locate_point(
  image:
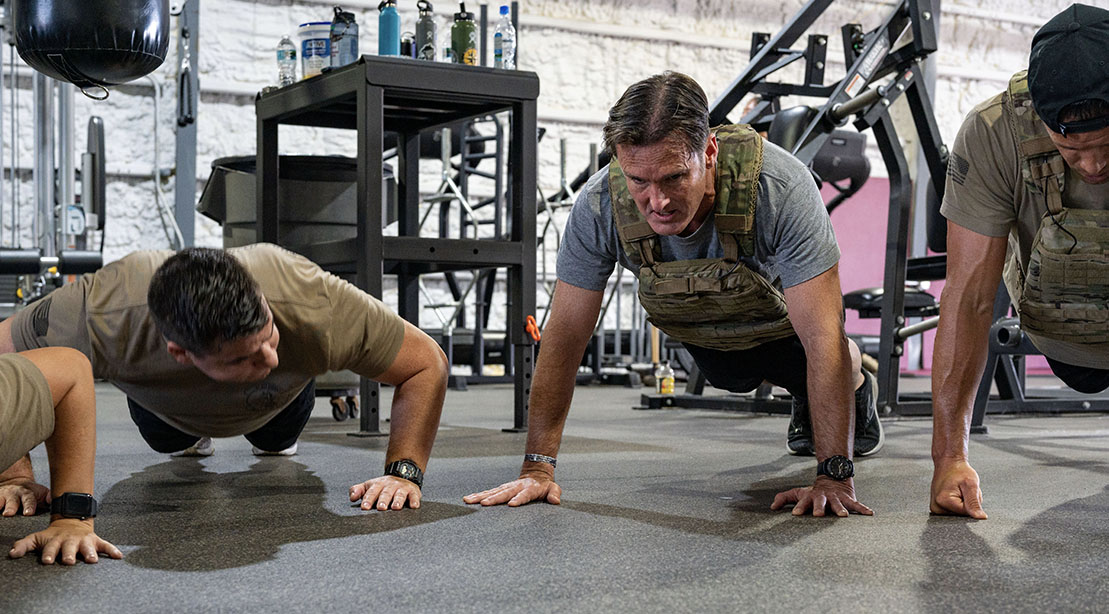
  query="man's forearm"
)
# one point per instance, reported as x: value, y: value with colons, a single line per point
x: 830, y: 396
x: 552, y: 392
x: 21, y: 469
x: 957, y: 365
x: 414, y: 416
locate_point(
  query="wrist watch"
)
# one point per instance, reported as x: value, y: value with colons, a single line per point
x: 407, y: 470
x: 836, y: 467
x: 74, y: 505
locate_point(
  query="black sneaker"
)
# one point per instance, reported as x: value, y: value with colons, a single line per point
x: 799, y: 435
x: 868, y: 428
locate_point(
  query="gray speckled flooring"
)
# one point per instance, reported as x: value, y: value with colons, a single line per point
x: 662, y: 511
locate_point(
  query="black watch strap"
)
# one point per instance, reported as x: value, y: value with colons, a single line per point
x: 74, y: 505
x: 406, y: 469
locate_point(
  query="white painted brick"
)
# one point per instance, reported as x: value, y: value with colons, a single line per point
x: 582, y: 73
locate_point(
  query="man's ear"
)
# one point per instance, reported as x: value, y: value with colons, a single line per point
x: 179, y: 353
x: 711, y: 149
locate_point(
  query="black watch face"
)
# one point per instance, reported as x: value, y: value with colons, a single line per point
x: 72, y: 505
x: 839, y: 468
x: 406, y: 470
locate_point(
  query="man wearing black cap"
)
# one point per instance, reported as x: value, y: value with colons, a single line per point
x: 1028, y: 176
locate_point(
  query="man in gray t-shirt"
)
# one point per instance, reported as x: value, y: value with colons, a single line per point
x: 733, y: 247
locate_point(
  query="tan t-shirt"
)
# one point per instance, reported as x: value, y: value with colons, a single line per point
x: 26, y: 408
x: 325, y: 323
x: 985, y: 193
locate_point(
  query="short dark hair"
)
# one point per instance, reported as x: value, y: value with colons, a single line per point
x: 202, y: 297
x: 651, y: 110
x: 1092, y: 108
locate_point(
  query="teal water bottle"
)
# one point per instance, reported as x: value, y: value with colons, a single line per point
x: 388, y: 28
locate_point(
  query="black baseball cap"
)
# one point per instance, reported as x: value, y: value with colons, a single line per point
x: 1069, y: 64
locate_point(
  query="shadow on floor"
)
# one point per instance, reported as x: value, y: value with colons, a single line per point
x: 183, y: 517
x: 751, y: 519
x: 1059, y: 552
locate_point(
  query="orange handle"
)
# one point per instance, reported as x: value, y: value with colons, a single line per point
x: 532, y: 327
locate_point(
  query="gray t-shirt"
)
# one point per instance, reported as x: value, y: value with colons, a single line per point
x: 794, y: 239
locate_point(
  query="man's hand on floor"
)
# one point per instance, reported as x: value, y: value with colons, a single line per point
x: 825, y: 493
x: 532, y: 487
x: 386, y: 493
x: 22, y: 493
x: 955, y: 490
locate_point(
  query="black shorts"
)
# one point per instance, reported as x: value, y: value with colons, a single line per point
x: 279, y: 433
x: 1083, y: 379
x: 780, y: 362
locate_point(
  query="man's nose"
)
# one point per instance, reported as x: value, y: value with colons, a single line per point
x: 268, y: 357
x: 657, y: 199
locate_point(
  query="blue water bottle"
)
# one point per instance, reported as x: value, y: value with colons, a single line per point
x: 388, y: 28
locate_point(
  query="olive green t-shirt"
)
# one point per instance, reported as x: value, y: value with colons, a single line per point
x: 985, y: 193
x: 26, y: 408
x: 325, y: 324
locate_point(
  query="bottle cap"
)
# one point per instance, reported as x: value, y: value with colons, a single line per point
x: 504, y: 9
x: 342, y: 16
x: 462, y: 13
x: 385, y: 3
x: 424, y: 6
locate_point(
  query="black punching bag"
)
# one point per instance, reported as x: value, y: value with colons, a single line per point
x: 92, y: 42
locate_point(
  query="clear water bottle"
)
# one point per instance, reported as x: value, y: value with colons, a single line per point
x: 664, y: 378
x: 504, y: 42
x: 286, y: 62
x: 344, y: 38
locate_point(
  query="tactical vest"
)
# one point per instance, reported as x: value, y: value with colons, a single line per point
x: 1065, y: 290
x: 716, y: 303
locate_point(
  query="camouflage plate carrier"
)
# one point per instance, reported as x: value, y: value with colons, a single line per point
x: 716, y: 303
x: 1065, y: 291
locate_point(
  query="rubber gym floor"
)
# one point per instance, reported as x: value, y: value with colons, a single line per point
x: 663, y: 511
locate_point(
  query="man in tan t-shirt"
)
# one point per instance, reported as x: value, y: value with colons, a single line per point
x: 193, y: 340
x: 1028, y: 177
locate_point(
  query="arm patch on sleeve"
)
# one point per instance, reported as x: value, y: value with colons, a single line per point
x: 957, y: 168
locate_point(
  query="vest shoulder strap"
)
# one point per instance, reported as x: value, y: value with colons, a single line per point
x: 1042, y: 167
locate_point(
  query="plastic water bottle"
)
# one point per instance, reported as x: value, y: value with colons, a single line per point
x: 286, y: 62
x: 504, y: 42
x: 344, y: 38
x: 425, y: 32
x: 388, y: 28
x: 664, y: 378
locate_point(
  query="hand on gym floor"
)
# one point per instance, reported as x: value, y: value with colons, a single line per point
x: 63, y: 540
x: 955, y: 490
x: 22, y: 493
x: 386, y: 493
x: 532, y: 487
x: 824, y: 493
